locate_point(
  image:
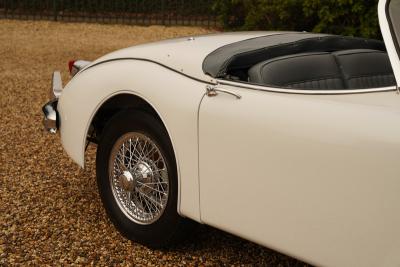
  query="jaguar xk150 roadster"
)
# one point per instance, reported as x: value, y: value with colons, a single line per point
x: 288, y: 139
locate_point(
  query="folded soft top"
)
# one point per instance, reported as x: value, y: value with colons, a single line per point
x: 246, y: 53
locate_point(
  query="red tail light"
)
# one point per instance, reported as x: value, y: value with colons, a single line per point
x: 75, y: 66
x: 70, y: 65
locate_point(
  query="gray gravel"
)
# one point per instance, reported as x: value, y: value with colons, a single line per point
x: 50, y: 209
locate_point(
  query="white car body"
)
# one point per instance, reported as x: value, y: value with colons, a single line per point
x: 315, y: 176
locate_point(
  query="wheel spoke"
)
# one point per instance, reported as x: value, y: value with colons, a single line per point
x: 151, y: 199
x: 134, y: 152
x: 120, y: 164
x: 153, y: 148
x: 145, y: 185
x: 136, y: 156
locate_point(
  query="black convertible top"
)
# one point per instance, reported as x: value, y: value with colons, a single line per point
x: 244, y: 54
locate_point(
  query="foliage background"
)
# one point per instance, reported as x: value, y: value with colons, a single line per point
x: 347, y: 17
x: 138, y: 12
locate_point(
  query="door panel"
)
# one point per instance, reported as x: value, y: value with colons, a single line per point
x: 316, y: 177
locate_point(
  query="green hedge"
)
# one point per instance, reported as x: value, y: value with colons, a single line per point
x: 346, y: 17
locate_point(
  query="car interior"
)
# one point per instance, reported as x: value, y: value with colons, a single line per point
x: 322, y: 62
x: 346, y: 69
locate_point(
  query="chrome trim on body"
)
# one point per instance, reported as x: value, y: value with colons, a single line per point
x: 211, y: 81
x: 56, y: 85
x: 213, y: 91
x: 78, y: 66
x: 304, y: 92
x: 51, y: 121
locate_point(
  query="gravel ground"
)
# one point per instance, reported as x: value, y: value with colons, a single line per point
x: 50, y: 209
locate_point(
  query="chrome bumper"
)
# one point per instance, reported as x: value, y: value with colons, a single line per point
x: 51, y: 121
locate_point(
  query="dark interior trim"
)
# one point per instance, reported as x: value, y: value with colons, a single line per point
x: 242, y: 55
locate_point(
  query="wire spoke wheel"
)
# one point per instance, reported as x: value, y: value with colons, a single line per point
x: 138, y: 181
x: 138, y: 177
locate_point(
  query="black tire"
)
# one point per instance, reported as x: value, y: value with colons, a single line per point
x: 169, y: 228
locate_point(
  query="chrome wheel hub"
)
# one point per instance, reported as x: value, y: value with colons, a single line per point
x: 142, y: 170
x: 139, y: 178
x: 127, y: 181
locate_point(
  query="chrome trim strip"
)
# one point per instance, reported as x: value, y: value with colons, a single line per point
x: 304, y: 92
x: 50, y: 120
x: 154, y: 62
x: 393, y: 34
x: 391, y: 28
x: 213, y: 91
x: 78, y: 66
x: 56, y: 85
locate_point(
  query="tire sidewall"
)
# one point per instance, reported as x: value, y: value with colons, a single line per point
x: 159, y: 232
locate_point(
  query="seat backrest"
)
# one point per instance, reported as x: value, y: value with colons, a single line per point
x: 365, y: 68
x: 302, y: 71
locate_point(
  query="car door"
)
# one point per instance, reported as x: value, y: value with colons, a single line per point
x: 316, y: 176
x: 309, y: 175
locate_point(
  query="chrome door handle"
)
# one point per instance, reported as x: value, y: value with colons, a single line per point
x: 212, y: 91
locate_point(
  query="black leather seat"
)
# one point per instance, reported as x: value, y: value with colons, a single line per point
x: 302, y: 71
x: 364, y: 68
x: 347, y: 69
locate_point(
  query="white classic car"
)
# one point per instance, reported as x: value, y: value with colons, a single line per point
x: 291, y: 140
